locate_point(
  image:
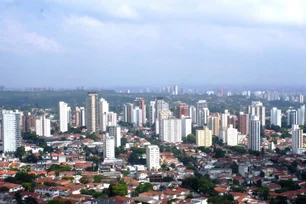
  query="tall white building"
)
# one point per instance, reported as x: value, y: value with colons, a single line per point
x: 171, y: 130
x: 276, y: 117
x: 224, y: 119
x: 82, y: 116
x: 137, y: 116
x: 63, y: 116
x: 204, y: 137
x: 202, y: 116
x: 291, y: 116
x: 152, y: 112
x: 103, y: 111
x: 297, y: 139
x: 115, y: 131
x: 193, y: 114
x: 10, y: 129
x: 158, y: 124
x: 43, y: 126
x: 254, y: 134
x: 301, y: 98
x: 231, y: 136
x: 186, y: 126
x: 127, y: 112
x: 111, y: 119
x: 92, y: 112
x: 258, y: 109
x: 108, y: 147
x: 160, y: 105
x: 153, y: 157
x: 301, y: 115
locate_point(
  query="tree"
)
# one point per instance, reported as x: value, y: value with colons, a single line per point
x: 84, y: 180
x: 219, y: 153
x: 198, y: 184
x: 143, y: 187
x: 120, y: 189
x: 262, y: 174
x: 262, y: 192
x: 125, y: 172
x: 30, y: 200
x: 190, y: 139
x: 226, y: 199
x: 97, y: 178
x: 20, y: 152
x: 234, y: 166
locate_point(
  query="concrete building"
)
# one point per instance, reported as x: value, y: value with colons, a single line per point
x: 297, y: 139
x: 301, y: 98
x: 204, y: 137
x: 28, y: 122
x: 160, y: 105
x: 111, y: 119
x: 108, y: 147
x: 63, y: 116
x: 43, y: 126
x: 276, y: 117
x: 231, y: 136
x: 137, y: 116
x: 291, y: 116
x: 224, y: 119
x: 186, y: 126
x: 103, y: 111
x: 92, y: 112
x: 258, y: 109
x: 152, y: 112
x: 127, y: 112
x: 301, y: 115
x: 10, y: 129
x: 243, y: 123
x: 180, y: 109
x: 115, y: 131
x: 153, y: 157
x: 171, y: 130
x: 254, y: 134
x: 213, y: 123
x: 193, y: 114
x: 162, y: 115
x: 140, y: 102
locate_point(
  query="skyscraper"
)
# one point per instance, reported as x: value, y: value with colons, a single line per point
x: 214, y: 123
x: 186, y: 126
x: 152, y: 112
x: 276, y: 117
x: 231, y: 136
x: 301, y: 98
x: 301, y: 115
x: 224, y: 119
x: 181, y: 109
x: 164, y: 114
x: 202, y: 112
x: 63, y: 116
x: 171, y: 130
x: 28, y: 122
x: 127, y: 112
x: 137, y: 116
x: 297, y: 139
x: 193, y: 114
x: 204, y: 137
x: 10, y: 129
x: 153, y: 157
x: 108, y: 147
x: 160, y: 105
x: 43, y: 126
x: 115, y: 131
x: 243, y: 122
x: 92, y: 112
x: 103, y: 111
x: 140, y: 102
x: 291, y: 116
x: 257, y: 108
x: 254, y: 135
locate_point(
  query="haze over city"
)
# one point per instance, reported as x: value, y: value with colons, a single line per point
x: 99, y: 43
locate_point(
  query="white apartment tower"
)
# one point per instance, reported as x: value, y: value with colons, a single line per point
x: 186, y: 126
x: 224, y: 119
x: 63, y: 116
x: 92, y: 112
x: 231, y: 136
x: 254, y: 133
x: 193, y: 114
x: 160, y: 105
x: 153, y: 157
x: 108, y: 147
x: 152, y: 112
x: 301, y: 115
x: 10, y: 129
x: 297, y: 138
x: 291, y: 116
x: 115, y: 131
x: 202, y: 112
x: 43, y: 126
x: 276, y: 117
x: 171, y: 130
x: 137, y: 116
x: 204, y: 137
x: 103, y: 111
x: 258, y: 109
x: 158, y: 124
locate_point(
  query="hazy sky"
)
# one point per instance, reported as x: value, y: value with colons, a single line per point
x: 107, y: 43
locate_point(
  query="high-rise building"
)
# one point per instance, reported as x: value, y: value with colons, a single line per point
x: 232, y: 120
x: 153, y: 157
x: 297, y: 138
x: 82, y: 117
x: 224, y: 119
x: 28, y: 122
x: 69, y: 116
x: 127, y: 112
x: 115, y: 131
x: 254, y: 134
x: 193, y: 114
x: 160, y: 105
x: 92, y: 112
x: 103, y: 111
x: 301, y: 115
x: 231, y: 136
x: 175, y: 90
x: 152, y: 112
x: 181, y: 109
x: 171, y: 130
x: 257, y: 108
x: 291, y: 116
x: 140, y: 102
x: 214, y: 123
x: 202, y: 116
x: 111, y: 119
x: 108, y: 147
x: 77, y: 114
x: 137, y: 116
x: 63, y: 116
x: 301, y: 98
x: 10, y: 129
x: 43, y: 126
x: 204, y: 137
x: 164, y: 114
x: 186, y: 126
x: 276, y: 117
x: 243, y: 123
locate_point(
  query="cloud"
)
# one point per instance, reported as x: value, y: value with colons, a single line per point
x: 15, y: 38
x: 279, y: 12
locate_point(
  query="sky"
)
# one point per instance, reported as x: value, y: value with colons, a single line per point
x: 111, y: 43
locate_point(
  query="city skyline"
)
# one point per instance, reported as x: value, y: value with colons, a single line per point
x: 133, y: 43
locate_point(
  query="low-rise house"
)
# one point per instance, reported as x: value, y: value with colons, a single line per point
x: 47, y: 190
